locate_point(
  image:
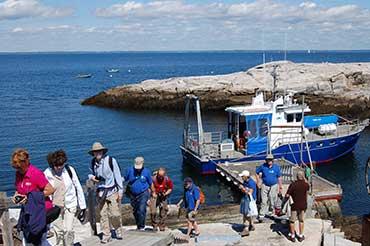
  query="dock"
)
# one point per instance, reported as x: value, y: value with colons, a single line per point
x: 321, y: 189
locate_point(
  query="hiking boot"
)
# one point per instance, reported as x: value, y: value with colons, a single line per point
x: 261, y: 220
x: 244, y: 233
x: 251, y: 228
x: 162, y: 228
x: 300, y: 238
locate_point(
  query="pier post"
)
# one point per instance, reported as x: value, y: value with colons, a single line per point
x: 6, y: 226
x: 91, y: 196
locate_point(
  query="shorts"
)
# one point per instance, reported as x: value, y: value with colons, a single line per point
x: 295, y: 214
x: 191, y: 216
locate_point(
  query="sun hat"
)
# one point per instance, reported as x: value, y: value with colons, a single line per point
x: 97, y: 146
x: 270, y: 157
x: 245, y: 173
x: 139, y: 162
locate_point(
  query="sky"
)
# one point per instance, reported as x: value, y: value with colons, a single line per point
x: 180, y: 25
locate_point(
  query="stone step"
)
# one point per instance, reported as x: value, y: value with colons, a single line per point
x: 334, y: 240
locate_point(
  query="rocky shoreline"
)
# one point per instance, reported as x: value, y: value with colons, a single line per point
x: 342, y: 88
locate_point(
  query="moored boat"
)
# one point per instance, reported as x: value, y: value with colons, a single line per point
x: 84, y: 76
x: 113, y: 70
x: 282, y: 126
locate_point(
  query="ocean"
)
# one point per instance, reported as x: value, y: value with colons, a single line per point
x: 40, y: 111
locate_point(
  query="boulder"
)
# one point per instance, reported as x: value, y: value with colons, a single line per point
x: 342, y: 88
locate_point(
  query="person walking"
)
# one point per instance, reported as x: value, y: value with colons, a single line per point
x: 68, y: 196
x: 298, y: 192
x: 248, y: 207
x: 107, y: 175
x: 29, y: 181
x: 271, y: 185
x: 191, y: 200
x: 163, y: 187
x: 139, y: 187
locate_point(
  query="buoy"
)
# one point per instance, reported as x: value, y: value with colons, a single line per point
x: 228, y: 179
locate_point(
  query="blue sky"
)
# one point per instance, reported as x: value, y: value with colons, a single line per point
x: 113, y: 25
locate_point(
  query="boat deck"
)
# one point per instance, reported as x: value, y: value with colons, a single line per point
x: 322, y: 189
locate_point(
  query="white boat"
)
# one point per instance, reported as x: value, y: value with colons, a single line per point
x: 113, y: 70
x: 84, y: 76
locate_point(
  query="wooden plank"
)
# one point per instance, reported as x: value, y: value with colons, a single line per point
x: 7, y: 230
x: 6, y: 225
x: 91, y: 196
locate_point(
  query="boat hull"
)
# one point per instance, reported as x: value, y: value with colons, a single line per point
x: 323, y: 151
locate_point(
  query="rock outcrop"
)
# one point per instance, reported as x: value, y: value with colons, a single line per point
x: 343, y: 88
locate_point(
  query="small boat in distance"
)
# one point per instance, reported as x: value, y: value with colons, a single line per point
x: 84, y: 76
x: 113, y: 70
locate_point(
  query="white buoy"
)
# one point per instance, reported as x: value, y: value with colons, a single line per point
x: 129, y: 70
x: 222, y: 174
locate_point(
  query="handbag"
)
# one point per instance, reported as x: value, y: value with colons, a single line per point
x: 253, y: 211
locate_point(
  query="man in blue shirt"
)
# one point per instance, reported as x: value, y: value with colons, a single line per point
x: 270, y: 174
x: 139, y: 188
x: 191, y: 201
x: 249, y: 189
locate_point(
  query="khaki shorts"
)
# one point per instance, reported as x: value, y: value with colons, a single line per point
x: 297, y: 214
x: 191, y: 216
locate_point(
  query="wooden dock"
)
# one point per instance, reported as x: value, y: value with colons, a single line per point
x: 322, y: 189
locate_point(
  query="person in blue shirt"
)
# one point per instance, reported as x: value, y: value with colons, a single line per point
x: 271, y: 186
x: 249, y: 190
x: 139, y: 187
x: 191, y: 201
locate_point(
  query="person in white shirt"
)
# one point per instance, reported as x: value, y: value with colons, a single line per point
x: 68, y: 196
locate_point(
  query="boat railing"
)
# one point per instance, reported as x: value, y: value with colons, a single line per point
x: 210, y: 143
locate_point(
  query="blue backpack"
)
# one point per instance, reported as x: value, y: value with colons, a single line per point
x: 32, y: 219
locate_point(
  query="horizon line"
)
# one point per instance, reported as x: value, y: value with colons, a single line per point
x: 183, y: 51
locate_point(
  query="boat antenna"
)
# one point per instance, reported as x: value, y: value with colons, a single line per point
x: 285, y: 46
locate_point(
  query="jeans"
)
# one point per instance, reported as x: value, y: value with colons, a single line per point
x: 139, y: 203
x: 44, y: 240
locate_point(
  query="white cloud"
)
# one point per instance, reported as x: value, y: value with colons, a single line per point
x: 17, y: 9
x: 256, y: 12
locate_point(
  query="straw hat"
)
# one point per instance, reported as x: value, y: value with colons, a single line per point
x: 245, y: 173
x: 270, y: 157
x: 98, y: 147
x: 139, y: 162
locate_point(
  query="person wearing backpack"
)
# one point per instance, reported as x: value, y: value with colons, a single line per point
x: 68, y: 196
x: 163, y: 187
x: 106, y: 174
x: 139, y: 187
x: 192, y: 199
x: 32, y: 192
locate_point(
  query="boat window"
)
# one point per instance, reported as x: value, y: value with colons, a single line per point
x: 263, y: 128
x: 290, y: 117
x: 298, y: 117
x: 332, y: 142
x: 252, y: 128
x: 320, y: 144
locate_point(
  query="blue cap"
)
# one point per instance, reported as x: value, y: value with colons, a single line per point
x: 188, y: 180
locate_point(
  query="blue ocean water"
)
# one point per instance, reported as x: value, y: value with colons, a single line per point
x: 40, y: 110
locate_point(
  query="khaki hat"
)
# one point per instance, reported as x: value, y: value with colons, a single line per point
x: 270, y: 157
x: 245, y: 173
x: 139, y: 162
x: 97, y: 147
